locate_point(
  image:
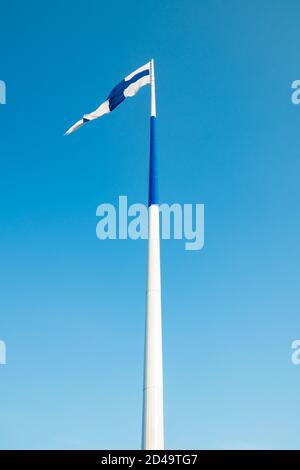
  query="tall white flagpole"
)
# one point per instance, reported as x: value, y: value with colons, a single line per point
x: 153, y: 421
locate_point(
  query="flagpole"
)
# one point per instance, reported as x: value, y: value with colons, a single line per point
x: 153, y: 422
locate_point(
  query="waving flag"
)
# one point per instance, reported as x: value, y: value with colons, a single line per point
x: 153, y: 419
x: 127, y: 87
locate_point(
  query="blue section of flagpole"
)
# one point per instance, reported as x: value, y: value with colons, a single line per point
x: 153, y: 176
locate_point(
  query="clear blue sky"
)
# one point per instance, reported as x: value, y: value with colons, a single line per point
x: 72, y: 306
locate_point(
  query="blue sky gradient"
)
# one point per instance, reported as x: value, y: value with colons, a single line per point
x: 72, y: 307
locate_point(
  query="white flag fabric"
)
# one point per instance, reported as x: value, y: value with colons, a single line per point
x: 126, y: 88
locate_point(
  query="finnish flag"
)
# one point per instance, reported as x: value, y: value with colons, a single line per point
x: 127, y: 87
